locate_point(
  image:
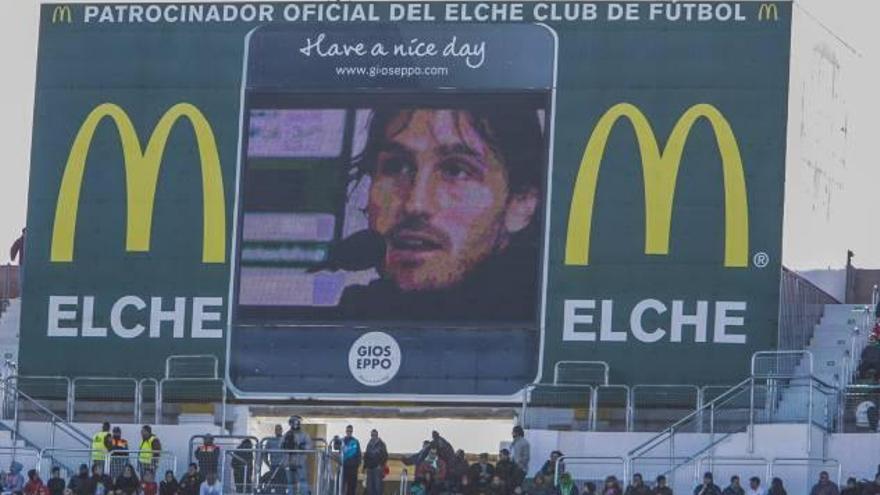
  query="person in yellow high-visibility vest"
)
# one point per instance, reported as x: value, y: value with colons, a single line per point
x: 148, y: 457
x: 101, y: 444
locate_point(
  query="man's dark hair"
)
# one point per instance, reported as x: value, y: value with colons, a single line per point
x: 755, y: 479
x: 511, y: 131
x: 518, y: 430
x: 661, y: 478
x: 105, y: 426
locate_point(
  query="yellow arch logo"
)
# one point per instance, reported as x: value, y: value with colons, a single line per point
x: 768, y: 10
x: 62, y: 13
x: 141, y: 177
x: 659, y: 172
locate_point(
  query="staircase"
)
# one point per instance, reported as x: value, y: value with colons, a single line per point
x: 834, y: 350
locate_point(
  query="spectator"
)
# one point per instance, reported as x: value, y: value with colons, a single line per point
x: 375, y: 457
x: 872, y: 488
x: 148, y: 458
x: 418, y: 487
x: 852, y: 487
x: 520, y: 449
x: 242, y: 464
x: 464, y: 486
x: 191, y: 481
x: 34, y: 485
x: 418, y: 457
x: 297, y: 439
x: 661, y: 488
x: 825, y: 486
x: 274, y: 459
x: 211, y: 486
x: 589, y: 488
x: 444, y: 448
x: 432, y: 486
x: 776, y: 487
x: 566, y: 485
x: 169, y: 486
x: 13, y: 481
x: 17, y: 249
x: 539, y: 486
x: 638, y: 486
x: 481, y: 473
x: 56, y: 482
x: 434, y: 464
x: 118, y: 452
x: 867, y: 414
x: 708, y: 487
x: 509, y: 471
x: 103, y: 483
x: 81, y: 483
x: 148, y: 483
x: 351, y: 461
x: 612, y: 486
x: 208, y: 455
x: 456, y: 471
x: 127, y: 483
x: 734, y: 488
x: 549, y: 467
x: 755, y: 487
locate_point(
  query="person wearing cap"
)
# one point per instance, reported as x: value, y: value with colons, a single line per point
x: 708, y: 487
x: 101, y: 444
x: 296, y: 439
x: 208, y: 455
x: 118, y: 452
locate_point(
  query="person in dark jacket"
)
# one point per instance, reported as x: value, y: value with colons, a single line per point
x: 242, y: 463
x: 735, y: 488
x: 661, y: 487
x: 589, y: 488
x: 776, y: 487
x: 375, y: 457
x: 444, y: 448
x: 825, y: 486
x: 708, y: 487
x: 208, y: 456
x: 509, y: 471
x: 127, y: 483
x: 191, y: 481
x: 481, y: 473
x: 81, y: 483
x: 456, y: 471
x: 549, y: 467
x: 56, y: 482
x: 638, y: 486
x: 872, y: 488
x: 351, y: 461
x: 103, y: 482
x: 851, y: 488
x: 612, y: 486
x: 169, y: 485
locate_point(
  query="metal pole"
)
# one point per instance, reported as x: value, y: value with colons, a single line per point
x: 752, y: 415
x: 810, y: 417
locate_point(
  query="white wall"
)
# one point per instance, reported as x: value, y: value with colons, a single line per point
x: 831, y: 169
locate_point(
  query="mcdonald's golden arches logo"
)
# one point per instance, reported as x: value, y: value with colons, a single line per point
x: 62, y: 13
x: 766, y: 10
x: 659, y: 172
x: 141, y: 178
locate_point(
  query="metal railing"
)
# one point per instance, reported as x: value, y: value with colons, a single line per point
x: 581, y: 373
x: 148, y: 390
x: 258, y: 470
x: 612, y: 408
x: 69, y: 460
x: 800, y: 308
x: 105, y: 389
x: 192, y: 390
x: 192, y: 366
x: 557, y: 407
x: 222, y: 442
x: 586, y: 468
x: 655, y: 405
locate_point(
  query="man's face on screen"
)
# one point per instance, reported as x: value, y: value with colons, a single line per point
x: 440, y: 197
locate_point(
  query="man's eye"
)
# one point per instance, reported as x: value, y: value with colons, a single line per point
x: 456, y: 170
x: 395, y: 166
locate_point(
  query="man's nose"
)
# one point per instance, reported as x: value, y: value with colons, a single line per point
x: 420, y: 196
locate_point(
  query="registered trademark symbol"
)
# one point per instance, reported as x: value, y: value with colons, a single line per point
x: 761, y: 259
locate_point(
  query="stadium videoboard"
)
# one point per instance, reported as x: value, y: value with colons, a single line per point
x: 405, y: 199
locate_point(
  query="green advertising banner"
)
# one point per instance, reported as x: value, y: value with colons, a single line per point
x: 431, y: 200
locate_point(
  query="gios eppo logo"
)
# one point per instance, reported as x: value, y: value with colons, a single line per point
x: 374, y: 359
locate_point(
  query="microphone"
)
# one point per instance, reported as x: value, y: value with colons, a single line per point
x: 362, y: 250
